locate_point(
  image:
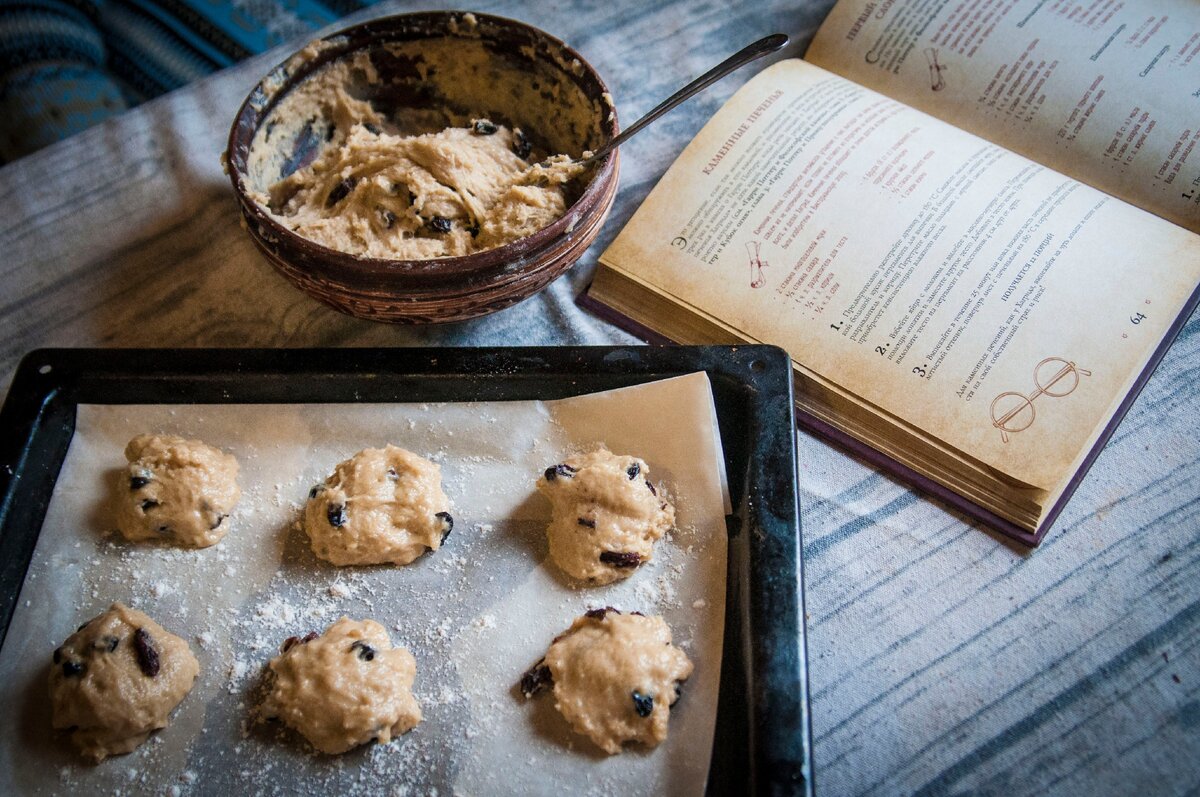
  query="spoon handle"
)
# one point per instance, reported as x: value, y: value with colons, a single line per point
x: 744, y: 56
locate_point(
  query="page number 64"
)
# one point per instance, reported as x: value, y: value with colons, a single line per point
x: 1136, y: 319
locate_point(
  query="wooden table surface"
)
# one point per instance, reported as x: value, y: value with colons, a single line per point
x: 943, y: 660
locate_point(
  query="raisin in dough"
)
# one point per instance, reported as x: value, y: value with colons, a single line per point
x: 456, y: 192
x: 344, y: 687
x: 615, y: 677
x: 117, y: 679
x: 177, y: 490
x: 381, y: 505
x: 606, y: 515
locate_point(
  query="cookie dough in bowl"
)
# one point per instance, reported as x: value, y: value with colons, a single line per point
x: 117, y: 679
x: 450, y: 193
x: 176, y: 490
x: 606, y: 515
x: 414, y: 168
x: 383, y: 505
x: 343, y: 688
x: 614, y: 677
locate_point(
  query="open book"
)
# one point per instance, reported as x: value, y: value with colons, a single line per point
x: 972, y: 225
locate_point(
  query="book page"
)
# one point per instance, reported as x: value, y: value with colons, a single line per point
x: 1106, y: 91
x: 991, y: 302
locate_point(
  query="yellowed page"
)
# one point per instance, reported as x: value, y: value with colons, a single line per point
x: 1106, y: 91
x: 989, y: 301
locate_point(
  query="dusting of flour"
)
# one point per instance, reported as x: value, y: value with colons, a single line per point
x: 475, y: 613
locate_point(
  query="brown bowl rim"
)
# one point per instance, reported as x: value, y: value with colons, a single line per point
x: 426, y: 305
x: 437, y: 269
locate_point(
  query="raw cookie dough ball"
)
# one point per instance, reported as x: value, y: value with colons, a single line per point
x: 116, y: 679
x: 606, y: 515
x: 381, y: 505
x: 177, y: 490
x: 345, y: 687
x: 615, y: 677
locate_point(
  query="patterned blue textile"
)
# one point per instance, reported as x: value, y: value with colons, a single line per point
x: 68, y: 64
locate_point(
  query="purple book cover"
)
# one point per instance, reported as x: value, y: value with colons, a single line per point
x: 912, y: 478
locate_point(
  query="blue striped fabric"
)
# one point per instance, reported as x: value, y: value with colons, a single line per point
x: 68, y: 64
x: 946, y: 662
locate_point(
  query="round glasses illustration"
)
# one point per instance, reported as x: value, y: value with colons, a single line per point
x: 1014, y: 412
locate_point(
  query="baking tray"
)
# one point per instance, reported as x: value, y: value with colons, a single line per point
x: 762, y: 739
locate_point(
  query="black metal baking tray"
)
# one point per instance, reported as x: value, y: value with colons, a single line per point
x: 762, y: 740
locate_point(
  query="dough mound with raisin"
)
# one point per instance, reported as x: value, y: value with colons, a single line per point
x: 117, y: 679
x: 381, y: 505
x: 176, y: 490
x: 607, y: 515
x: 344, y: 687
x: 615, y: 677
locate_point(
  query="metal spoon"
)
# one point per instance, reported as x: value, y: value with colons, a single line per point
x: 744, y: 56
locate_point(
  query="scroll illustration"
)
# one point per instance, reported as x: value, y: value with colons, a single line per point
x: 936, y: 82
x: 757, y: 280
x: 1014, y: 412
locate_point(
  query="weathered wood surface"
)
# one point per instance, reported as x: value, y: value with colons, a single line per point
x: 943, y: 661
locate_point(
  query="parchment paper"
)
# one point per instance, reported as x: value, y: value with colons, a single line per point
x: 476, y: 613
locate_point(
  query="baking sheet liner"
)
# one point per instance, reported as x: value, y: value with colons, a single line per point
x: 475, y: 613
